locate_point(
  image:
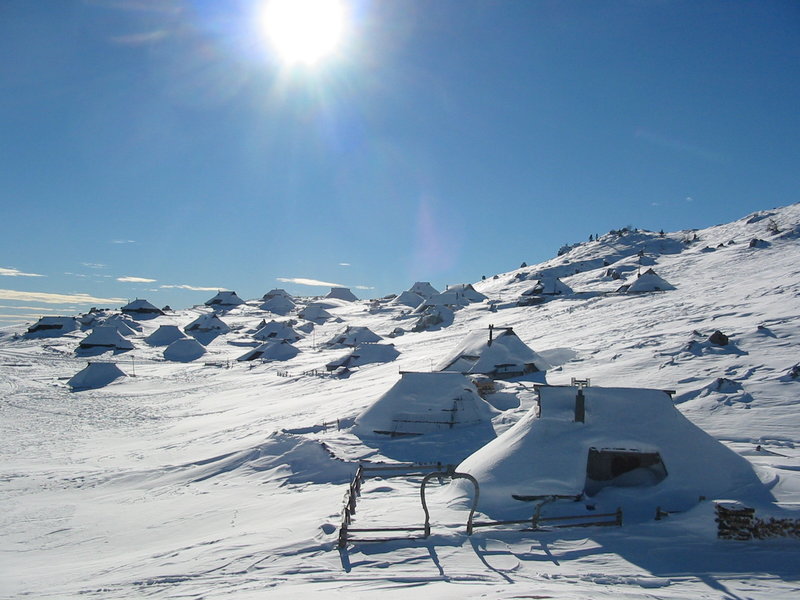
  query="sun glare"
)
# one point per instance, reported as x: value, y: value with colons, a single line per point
x: 303, y: 31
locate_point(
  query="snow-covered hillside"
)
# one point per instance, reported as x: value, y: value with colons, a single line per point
x: 216, y: 477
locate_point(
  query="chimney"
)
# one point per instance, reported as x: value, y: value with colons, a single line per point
x: 580, y: 407
x: 491, y: 332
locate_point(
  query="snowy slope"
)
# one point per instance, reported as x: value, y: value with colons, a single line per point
x: 224, y: 479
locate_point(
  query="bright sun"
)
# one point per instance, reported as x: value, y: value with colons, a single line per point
x: 303, y: 31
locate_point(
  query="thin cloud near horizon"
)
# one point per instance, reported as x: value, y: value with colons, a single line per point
x: 194, y: 288
x: 50, y: 298
x: 6, y: 272
x: 129, y: 279
x: 318, y: 283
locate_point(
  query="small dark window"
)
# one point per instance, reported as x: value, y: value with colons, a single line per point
x: 622, y: 468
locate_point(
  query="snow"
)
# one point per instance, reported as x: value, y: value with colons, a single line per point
x: 353, y: 336
x: 224, y: 479
x: 105, y: 336
x: 51, y: 327
x: 225, y: 299
x: 502, y: 355
x: 341, y: 293
x: 277, y: 331
x: 273, y: 350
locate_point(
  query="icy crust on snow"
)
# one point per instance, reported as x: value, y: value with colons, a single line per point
x: 546, y: 454
x: 424, y: 403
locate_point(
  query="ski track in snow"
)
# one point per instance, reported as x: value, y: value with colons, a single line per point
x: 209, y: 479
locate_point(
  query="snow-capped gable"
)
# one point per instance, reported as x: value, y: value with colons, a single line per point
x: 184, y: 350
x: 280, y: 305
x: 272, y: 350
x: 314, y: 312
x: 410, y: 299
x: 548, y: 286
x: 277, y: 293
x: 366, y: 354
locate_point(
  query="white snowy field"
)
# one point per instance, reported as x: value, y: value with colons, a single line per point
x: 216, y: 478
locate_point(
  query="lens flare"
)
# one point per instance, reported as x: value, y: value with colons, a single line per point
x: 303, y: 31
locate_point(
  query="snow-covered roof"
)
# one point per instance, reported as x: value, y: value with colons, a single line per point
x: 277, y: 331
x: 280, y: 305
x: 433, y: 317
x: 354, y: 336
x: 273, y: 350
x: 424, y: 403
x: 408, y: 299
x: 277, y: 293
x: 497, y: 352
x: 105, y: 336
x: 52, y: 327
x: 141, y: 306
x: 648, y: 281
x: 364, y: 355
x: 225, y: 298
x: 207, y: 322
x: 314, y: 312
x: 342, y: 293
x: 164, y: 335
x: 184, y: 350
x: 549, y: 453
x: 424, y: 289
x: 456, y: 295
x: 95, y: 375
x: 548, y: 286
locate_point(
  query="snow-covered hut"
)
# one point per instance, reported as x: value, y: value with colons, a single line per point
x: 365, y: 355
x: 496, y: 352
x: 425, y: 403
x: 314, y: 312
x: 277, y: 293
x: 184, y: 350
x: 353, y: 336
x: 273, y: 350
x: 105, y: 336
x: 141, y: 308
x: 224, y: 299
x: 52, y: 327
x: 342, y: 293
x: 280, y: 305
x: 164, y: 335
x: 95, y: 375
x: 424, y: 289
x: 277, y: 331
x: 648, y: 281
x: 620, y: 446
x: 455, y: 296
x: 409, y: 299
x: 548, y: 286
x: 207, y: 323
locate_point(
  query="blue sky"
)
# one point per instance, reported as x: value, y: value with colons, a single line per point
x: 165, y: 140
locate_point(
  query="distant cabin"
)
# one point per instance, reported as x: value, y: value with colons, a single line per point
x: 342, y: 293
x: 224, y: 299
x: 140, y: 308
x: 52, y: 327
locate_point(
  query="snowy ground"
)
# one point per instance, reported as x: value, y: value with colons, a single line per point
x: 209, y: 479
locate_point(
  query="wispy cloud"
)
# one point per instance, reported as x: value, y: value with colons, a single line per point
x: 306, y: 281
x: 95, y: 265
x: 39, y: 308
x: 16, y: 273
x: 363, y: 287
x: 344, y: 264
x: 129, y: 279
x: 123, y: 241
x: 194, y: 288
x: 48, y: 298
